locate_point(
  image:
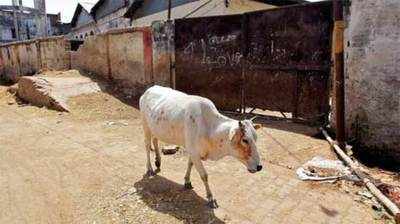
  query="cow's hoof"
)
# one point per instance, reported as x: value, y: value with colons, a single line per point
x: 157, y: 170
x: 188, y: 186
x: 212, y: 203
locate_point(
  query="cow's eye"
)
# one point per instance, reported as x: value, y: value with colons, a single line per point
x: 245, y: 141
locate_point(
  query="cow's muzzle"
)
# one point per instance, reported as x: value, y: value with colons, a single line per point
x: 259, y: 168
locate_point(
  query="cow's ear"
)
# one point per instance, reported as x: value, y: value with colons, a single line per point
x: 257, y: 126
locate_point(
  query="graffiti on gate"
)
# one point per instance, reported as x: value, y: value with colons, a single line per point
x: 214, y: 51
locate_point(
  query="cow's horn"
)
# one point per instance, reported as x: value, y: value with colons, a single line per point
x: 252, y: 119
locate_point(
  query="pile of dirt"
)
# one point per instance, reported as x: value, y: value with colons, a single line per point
x: 53, y: 90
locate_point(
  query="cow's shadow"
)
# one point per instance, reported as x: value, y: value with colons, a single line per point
x: 166, y: 196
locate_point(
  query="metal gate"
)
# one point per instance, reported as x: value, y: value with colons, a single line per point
x: 276, y: 59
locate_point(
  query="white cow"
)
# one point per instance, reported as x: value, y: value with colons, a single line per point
x: 194, y: 123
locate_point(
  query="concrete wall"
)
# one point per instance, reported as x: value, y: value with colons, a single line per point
x: 373, y: 77
x: 127, y: 59
x: 130, y: 57
x: 28, y: 57
x: 124, y: 56
x: 163, y: 52
x: 54, y: 54
x: 92, y: 56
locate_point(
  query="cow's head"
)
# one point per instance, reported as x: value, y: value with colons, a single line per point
x: 243, y: 139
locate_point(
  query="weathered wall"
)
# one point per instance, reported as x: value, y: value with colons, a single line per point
x: 130, y: 57
x: 373, y: 76
x: 127, y: 59
x: 55, y: 54
x: 124, y: 56
x: 28, y: 57
x: 92, y: 56
x: 163, y: 52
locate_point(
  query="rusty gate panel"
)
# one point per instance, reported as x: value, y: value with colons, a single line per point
x: 288, y: 59
x: 208, y: 59
x: 275, y: 91
x: 312, y: 98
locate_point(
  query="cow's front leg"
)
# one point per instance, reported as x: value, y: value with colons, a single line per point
x: 204, y: 176
x: 147, y: 141
x: 188, y: 184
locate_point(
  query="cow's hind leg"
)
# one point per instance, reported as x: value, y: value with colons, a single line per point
x: 158, y: 157
x: 147, y: 142
x: 204, y: 177
x: 188, y: 184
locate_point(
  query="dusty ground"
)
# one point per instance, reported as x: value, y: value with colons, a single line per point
x: 87, y: 167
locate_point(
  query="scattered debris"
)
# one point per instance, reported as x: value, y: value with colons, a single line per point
x: 392, y: 192
x: 349, y: 150
x: 116, y: 123
x: 377, y: 207
x: 366, y: 194
x: 320, y: 169
x: 290, y: 167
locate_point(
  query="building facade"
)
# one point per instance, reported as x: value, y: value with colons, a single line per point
x: 83, y: 23
x: 99, y: 18
x: 18, y: 22
x: 144, y: 13
x: 109, y: 14
x: 55, y: 27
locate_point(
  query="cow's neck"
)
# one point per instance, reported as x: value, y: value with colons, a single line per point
x: 219, y: 138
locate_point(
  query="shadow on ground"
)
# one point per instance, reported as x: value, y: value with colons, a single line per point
x: 166, y: 196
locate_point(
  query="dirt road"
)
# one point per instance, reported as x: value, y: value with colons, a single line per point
x: 87, y: 167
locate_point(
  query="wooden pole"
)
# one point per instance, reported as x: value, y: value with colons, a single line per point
x: 169, y: 10
x: 339, y: 71
x: 394, y: 210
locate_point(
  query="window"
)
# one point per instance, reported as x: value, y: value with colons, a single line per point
x: 81, y: 36
x: 91, y: 33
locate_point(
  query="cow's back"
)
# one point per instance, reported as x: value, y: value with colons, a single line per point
x: 167, y: 113
x: 163, y: 112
